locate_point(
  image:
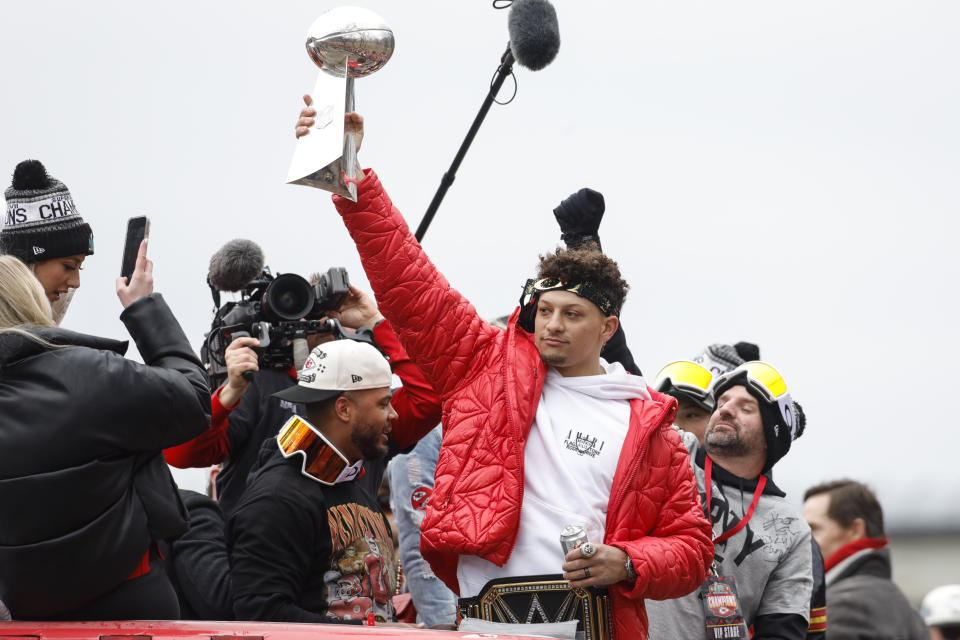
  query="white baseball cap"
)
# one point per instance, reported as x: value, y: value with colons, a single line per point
x: 335, y: 367
x: 942, y: 606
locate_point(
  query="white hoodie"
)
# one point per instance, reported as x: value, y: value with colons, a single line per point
x: 570, y: 458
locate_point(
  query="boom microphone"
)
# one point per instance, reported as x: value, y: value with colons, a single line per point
x: 534, y: 33
x: 235, y: 264
x: 534, y: 43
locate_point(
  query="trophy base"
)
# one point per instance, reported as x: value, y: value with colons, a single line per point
x: 330, y: 178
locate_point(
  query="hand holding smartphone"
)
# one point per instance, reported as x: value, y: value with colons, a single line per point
x: 138, y: 230
x: 133, y: 284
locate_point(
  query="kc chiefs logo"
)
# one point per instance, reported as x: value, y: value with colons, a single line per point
x: 420, y: 497
x: 722, y: 600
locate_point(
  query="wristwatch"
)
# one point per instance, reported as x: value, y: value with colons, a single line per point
x: 631, y: 572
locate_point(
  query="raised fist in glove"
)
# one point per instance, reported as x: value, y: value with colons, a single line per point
x: 579, y: 217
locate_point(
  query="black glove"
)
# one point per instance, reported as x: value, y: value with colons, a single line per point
x: 579, y: 217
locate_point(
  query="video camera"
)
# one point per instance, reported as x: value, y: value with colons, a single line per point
x: 275, y: 310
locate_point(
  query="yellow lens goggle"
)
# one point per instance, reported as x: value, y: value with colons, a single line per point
x: 768, y: 380
x: 688, y: 378
x: 322, y: 461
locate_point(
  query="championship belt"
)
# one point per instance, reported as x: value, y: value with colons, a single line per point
x: 548, y: 598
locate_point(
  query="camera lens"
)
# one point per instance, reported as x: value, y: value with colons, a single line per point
x: 288, y: 297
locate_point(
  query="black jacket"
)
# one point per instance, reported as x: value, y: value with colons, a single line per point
x: 818, y: 601
x: 258, y: 416
x: 84, y: 487
x: 864, y: 604
x: 197, y: 562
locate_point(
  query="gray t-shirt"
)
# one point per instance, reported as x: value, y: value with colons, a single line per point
x: 770, y: 558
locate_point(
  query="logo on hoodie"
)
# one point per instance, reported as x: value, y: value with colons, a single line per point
x: 583, y: 444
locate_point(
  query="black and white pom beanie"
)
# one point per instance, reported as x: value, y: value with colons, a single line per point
x: 718, y: 359
x: 42, y: 222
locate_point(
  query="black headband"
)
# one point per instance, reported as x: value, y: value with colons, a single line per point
x: 533, y: 288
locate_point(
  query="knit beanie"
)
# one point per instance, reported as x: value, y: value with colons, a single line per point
x: 42, y: 222
x: 719, y: 359
x: 747, y: 350
x: 783, y: 419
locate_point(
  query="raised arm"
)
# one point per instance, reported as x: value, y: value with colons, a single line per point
x: 164, y: 401
x: 579, y: 216
x: 436, y: 325
x: 213, y: 445
x: 171, y: 385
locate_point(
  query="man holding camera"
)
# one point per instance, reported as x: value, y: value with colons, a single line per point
x: 245, y: 413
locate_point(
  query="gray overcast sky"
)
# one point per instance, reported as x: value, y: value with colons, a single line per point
x: 774, y: 172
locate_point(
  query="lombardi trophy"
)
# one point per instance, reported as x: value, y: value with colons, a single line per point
x: 346, y: 43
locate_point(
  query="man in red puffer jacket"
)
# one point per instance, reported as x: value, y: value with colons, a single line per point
x: 539, y: 431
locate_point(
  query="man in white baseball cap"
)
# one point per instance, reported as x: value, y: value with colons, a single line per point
x: 308, y: 541
x: 941, y: 612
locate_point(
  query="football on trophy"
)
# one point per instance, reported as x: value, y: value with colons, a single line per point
x: 353, y: 36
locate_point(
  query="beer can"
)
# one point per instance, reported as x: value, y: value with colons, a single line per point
x: 572, y: 537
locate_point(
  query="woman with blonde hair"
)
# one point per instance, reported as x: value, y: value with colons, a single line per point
x: 85, y: 492
x: 22, y: 299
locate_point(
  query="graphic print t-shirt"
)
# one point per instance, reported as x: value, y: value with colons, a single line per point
x: 771, y: 558
x: 361, y: 575
x: 570, y: 458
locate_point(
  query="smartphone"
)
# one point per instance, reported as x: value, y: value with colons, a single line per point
x: 138, y: 229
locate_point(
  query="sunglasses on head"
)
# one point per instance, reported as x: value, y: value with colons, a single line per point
x: 532, y: 290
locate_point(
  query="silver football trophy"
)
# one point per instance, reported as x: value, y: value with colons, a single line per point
x: 346, y: 43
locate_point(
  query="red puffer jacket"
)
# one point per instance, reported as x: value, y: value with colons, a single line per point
x: 490, y: 383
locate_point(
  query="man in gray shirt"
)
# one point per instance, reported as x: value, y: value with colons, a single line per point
x: 763, y: 545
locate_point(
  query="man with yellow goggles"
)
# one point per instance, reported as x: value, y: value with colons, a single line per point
x: 764, y: 559
x: 690, y: 382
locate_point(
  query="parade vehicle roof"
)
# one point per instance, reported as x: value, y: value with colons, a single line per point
x: 202, y: 630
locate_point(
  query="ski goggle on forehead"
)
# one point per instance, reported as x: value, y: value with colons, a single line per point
x: 322, y: 461
x: 764, y: 378
x: 768, y: 382
x: 687, y: 378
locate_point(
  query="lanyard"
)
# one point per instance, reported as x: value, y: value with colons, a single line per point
x: 761, y: 483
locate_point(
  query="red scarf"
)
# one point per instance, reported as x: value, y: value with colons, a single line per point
x: 851, y: 548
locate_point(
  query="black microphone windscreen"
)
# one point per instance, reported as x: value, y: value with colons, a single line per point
x: 235, y: 264
x: 534, y: 33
